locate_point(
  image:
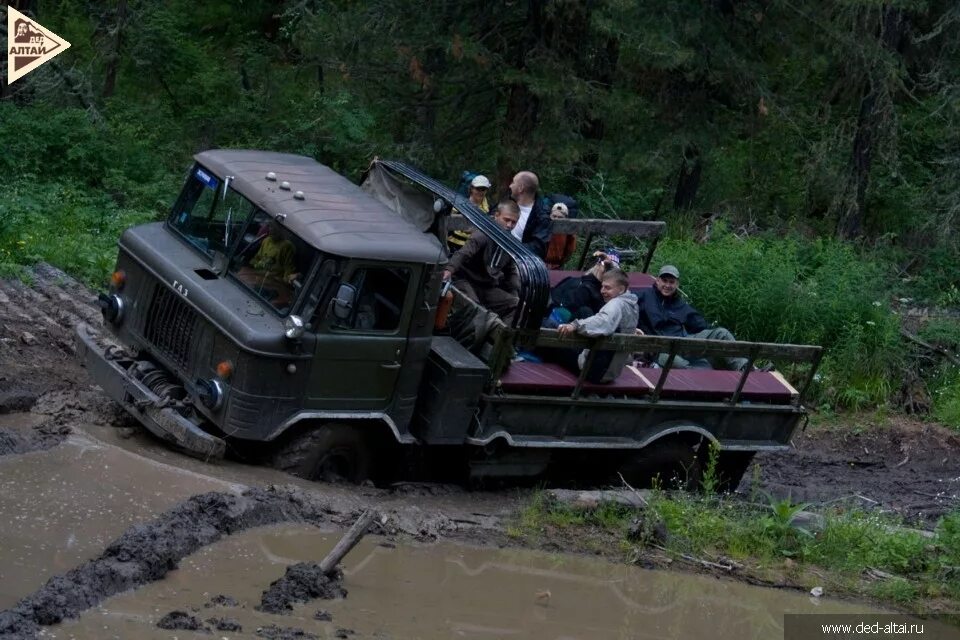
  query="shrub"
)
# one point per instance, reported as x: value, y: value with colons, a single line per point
x: 798, y: 291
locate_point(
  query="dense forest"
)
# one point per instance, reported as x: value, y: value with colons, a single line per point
x: 805, y: 154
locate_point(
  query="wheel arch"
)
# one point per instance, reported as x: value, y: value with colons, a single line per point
x: 376, y: 425
x: 682, y: 431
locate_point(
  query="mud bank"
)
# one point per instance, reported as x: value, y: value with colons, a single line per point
x: 44, y: 436
x: 892, y: 464
x: 145, y: 553
x: 302, y: 582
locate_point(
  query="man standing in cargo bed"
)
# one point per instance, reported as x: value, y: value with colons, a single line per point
x: 483, y: 271
x: 617, y: 315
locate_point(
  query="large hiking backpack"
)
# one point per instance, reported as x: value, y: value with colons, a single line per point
x: 463, y: 187
x: 554, y: 198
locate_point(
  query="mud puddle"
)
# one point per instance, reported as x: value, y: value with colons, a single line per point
x: 64, y: 505
x: 442, y: 591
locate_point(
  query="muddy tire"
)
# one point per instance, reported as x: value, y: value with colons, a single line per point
x: 673, y: 462
x: 331, y: 453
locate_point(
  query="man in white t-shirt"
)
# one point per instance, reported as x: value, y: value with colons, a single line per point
x: 533, y: 228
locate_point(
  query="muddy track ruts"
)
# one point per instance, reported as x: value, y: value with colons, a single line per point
x: 145, y: 553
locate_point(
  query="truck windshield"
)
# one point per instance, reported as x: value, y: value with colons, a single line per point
x: 209, y: 213
x: 272, y: 262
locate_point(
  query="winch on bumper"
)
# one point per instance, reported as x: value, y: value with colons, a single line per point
x: 143, y: 404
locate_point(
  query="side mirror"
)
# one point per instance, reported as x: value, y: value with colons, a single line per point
x: 219, y: 262
x: 344, y: 302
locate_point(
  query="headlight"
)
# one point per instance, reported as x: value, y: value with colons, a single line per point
x: 293, y: 327
x: 111, y: 306
x: 210, y: 393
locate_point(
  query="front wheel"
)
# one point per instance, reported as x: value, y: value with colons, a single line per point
x: 331, y: 453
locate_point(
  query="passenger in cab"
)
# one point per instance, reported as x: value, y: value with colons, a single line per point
x: 617, y: 315
x: 533, y: 228
x: 664, y: 312
x: 276, y: 255
x: 483, y: 271
x: 272, y: 270
x: 478, y: 196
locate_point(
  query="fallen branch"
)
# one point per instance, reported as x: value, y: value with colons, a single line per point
x: 347, y: 542
x: 932, y: 347
x: 627, y: 485
x: 699, y: 561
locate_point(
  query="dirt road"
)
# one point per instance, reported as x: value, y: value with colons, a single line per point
x: 47, y: 400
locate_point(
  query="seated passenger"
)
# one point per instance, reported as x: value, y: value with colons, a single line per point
x: 484, y: 272
x: 617, y: 315
x: 561, y: 245
x: 276, y: 254
x: 579, y: 297
x: 272, y: 269
x: 663, y: 312
x: 478, y: 196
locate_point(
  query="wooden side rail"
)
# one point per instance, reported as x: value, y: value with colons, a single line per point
x: 684, y: 346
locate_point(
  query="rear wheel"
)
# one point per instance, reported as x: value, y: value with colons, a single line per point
x: 672, y: 462
x: 731, y: 465
x: 331, y: 453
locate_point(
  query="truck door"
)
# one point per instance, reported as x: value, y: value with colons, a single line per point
x: 357, y: 361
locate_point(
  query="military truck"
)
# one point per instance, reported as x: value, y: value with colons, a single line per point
x: 284, y: 313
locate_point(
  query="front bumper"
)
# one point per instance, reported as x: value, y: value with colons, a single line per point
x: 143, y: 404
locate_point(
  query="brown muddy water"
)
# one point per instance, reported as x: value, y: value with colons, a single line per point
x: 446, y: 591
x: 63, y: 506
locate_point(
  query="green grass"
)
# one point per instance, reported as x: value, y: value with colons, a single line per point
x: 856, y: 552
x: 64, y: 225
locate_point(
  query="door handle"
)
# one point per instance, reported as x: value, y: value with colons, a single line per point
x: 393, y: 366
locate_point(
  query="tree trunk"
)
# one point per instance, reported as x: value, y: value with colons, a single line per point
x: 870, y: 126
x: 113, y: 59
x: 688, y: 178
x: 521, y: 118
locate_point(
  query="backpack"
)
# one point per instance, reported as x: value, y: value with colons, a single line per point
x: 463, y: 187
x: 554, y: 198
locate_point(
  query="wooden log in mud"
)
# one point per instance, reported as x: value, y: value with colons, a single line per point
x: 348, y: 541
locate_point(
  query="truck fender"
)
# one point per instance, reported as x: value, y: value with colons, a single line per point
x: 377, y: 420
x: 678, y: 429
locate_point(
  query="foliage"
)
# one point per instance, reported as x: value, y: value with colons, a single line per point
x: 945, y: 391
x: 803, y: 292
x: 64, y: 224
x: 848, y: 544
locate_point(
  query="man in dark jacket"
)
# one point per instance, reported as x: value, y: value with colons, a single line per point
x: 579, y: 297
x: 483, y: 271
x: 533, y: 227
x: 663, y: 312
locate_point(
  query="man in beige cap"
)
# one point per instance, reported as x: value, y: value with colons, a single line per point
x: 479, y: 187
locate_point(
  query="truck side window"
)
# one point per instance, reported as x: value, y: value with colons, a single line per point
x: 381, y: 292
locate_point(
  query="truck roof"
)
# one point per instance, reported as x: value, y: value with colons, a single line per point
x: 335, y: 216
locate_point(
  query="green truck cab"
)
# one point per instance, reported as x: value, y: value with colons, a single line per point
x: 284, y: 313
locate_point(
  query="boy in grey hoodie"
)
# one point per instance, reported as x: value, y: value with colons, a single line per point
x: 619, y: 314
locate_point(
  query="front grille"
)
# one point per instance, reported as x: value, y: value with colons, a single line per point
x: 170, y: 326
